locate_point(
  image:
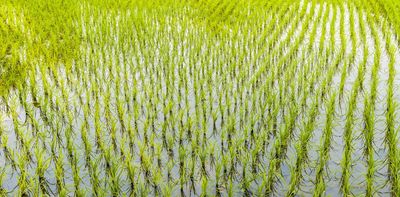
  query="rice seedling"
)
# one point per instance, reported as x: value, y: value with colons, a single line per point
x: 320, y: 186
x: 390, y: 115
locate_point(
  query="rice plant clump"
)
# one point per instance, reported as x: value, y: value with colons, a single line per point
x: 199, y: 98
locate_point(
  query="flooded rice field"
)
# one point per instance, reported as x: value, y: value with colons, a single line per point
x: 208, y: 98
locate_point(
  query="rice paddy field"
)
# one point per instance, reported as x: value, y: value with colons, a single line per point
x: 199, y: 98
